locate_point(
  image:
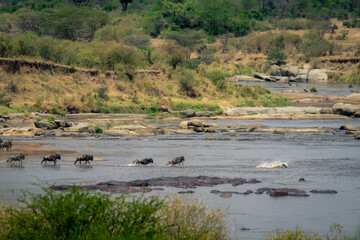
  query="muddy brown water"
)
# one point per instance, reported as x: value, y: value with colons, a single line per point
x: 325, y: 160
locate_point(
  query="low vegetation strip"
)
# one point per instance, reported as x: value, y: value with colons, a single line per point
x: 77, y: 214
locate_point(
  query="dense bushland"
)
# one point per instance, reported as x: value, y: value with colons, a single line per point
x: 194, y: 43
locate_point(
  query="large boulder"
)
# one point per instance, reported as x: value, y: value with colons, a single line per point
x: 274, y: 70
x: 289, y: 71
x: 261, y: 76
x: 301, y: 78
x: 303, y: 71
x: 204, y: 113
x: 183, y: 124
x: 317, y: 75
x: 61, y: 123
x: 345, y: 109
x: 43, y: 125
x: 188, y: 113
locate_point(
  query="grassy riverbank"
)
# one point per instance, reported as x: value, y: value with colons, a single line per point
x: 148, y: 92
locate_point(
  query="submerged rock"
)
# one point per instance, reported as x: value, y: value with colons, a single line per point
x: 282, y: 192
x: 324, y: 191
x: 179, y: 182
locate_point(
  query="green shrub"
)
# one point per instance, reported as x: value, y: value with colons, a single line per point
x: 175, y: 54
x: 283, y: 41
x: 188, y: 84
x: 5, y: 45
x: 140, y: 41
x: 189, y: 218
x: 186, y: 38
x: 343, y: 35
x: 102, y: 93
x: 4, y: 101
x: 57, y: 110
x: 316, y: 45
x: 51, y: 118
x: 294, y: 24
x: 313, y: 89
x: 218, y: 78
x: 335, y: 232
x: 83, y: 215
x: 207, y: 55
x: 342, y: 14
x: 115, y: 56
x: 98, y: 129
x: 275, y: 56
x: 74, y: 23
x: 240, y: 28
x: 347, y: 24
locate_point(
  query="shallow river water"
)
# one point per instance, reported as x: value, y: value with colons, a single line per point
x: 325, y: 160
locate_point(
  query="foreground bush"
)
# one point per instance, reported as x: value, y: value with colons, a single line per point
x: 77, y: 214
x: 83, y: 215
x: 335, y: 233
x: 189, y: 219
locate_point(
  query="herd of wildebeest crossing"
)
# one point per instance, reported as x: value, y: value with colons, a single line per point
x: 7, y: 145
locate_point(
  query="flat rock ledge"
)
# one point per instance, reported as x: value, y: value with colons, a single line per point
x: 184, y: 182
x: 348, y: 110
x: 148, y: 185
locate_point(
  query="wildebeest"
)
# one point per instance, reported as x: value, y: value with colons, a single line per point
x: 143, y: 161
x: 7, y: 145
x: 178, y: 160
x: 51, y: 158
x: 18, y: 157
x: 86, y: 157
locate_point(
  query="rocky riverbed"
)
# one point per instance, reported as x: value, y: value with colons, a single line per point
x: 268, y: 167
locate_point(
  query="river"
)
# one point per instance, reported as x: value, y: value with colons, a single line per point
x: 325, y: 160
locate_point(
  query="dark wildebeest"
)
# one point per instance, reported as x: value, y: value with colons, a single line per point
x: 143, y: 161
x: 86, y: 157
x: 7, y: 145
x: 178, y: 160
x: 51, y: 158
x: 18, y: 158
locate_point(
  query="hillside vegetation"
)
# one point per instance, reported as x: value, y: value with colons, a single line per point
x: 153, y: 55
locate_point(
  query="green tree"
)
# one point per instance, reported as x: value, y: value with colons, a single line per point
x: 74, y: 23
x: 186, y: 38
x: 214, y: 15
x: 275, y: 56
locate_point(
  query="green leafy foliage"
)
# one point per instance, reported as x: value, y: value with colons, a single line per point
x: 189, y: 85
x: 74, y: 23
x: 140, y: 41
x: 84, y: 215
x: 275, y: 56
x: 4, y: 101
x: 218, y: 78
x: 98, y: 129
x: 186, y: 38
